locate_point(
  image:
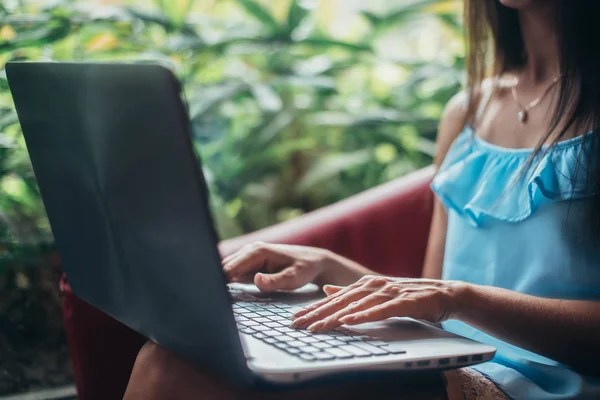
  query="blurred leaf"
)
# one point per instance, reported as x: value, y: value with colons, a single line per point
x: 103, y: 42
x: 268, y: 132
x: 260, y: 13
x: 399, y: 14
x: 267, y: 98
x: 327, y: 118
x: 320, y: 82
x: 328, y: 43
x: 385, y: 153
x: 7, y: 33
x: 162, y: 21
x: 330, y: 166
x: 295, y: 15
x: 38, y: 36
x: 212, y: 97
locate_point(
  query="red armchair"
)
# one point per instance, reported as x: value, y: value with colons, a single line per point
x: 384, y: 228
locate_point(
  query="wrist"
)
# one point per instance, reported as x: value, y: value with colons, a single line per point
x: 460, y: 299
x: 327, y: 268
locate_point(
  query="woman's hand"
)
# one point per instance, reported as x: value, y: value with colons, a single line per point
x: 275, y: 266
x: 374, y: 298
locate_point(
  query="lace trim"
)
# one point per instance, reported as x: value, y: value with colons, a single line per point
x: 468, y: 384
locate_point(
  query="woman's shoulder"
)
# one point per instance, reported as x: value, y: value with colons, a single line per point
x: 451, y: 124
x: 458, y: 113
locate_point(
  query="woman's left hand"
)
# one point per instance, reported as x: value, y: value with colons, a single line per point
x: 375, y: 298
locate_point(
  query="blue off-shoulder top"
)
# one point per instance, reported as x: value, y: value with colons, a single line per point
x: 521, y: 229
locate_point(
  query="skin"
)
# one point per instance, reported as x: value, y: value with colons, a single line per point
x: 563, y: 330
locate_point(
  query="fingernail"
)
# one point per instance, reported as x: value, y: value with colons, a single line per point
x: 316, y: 326
x: 298, y: 322
x: 299, y: 313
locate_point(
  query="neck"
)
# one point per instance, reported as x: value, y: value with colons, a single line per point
x: 540, y: 39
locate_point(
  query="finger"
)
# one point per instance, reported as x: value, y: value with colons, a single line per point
x: 378, y: 313
x: 253, y: 259
x: 244, y: 278
x: 246, y: 263
x: 334, y: 320
x: 330, y: 307
x: 321, y: 302
x: 331, y: 289
x: 288, y: 279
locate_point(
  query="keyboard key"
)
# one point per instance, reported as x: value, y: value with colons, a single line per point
x: 278, y: 318
x: 324, y: 356
x: 281, y: 345
x: 378, y: 351
x: 377, y: 342
x: 307, y: 357
x: 395, y: 348
x: 247, y: 330
x: 285, y: 329
x: 308, y: 339
x: 293, y: 350
x: 320, y: 337
x: 262, y: 320
x: 296, y: 334
x: 309, y: 349
x: 260, y: 335
x: 270, y: 340
x: 271, y: 332
x: 355, y: 351
x: 322, y: 345
x: 249, y: 323
x: 274, y: 324
x: 266, y: 314
x: 335, y: 342
x: 252, y: 315
x: 261, y: 328
x: 339, y: 353
x: 284, y: 338
x: 242, y: 311
x: 349, y: 339
x: 297, y: 343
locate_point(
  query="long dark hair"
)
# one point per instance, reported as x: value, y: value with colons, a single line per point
x: 495, y: 46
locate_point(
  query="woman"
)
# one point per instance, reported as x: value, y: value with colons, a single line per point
x: 515, y: 228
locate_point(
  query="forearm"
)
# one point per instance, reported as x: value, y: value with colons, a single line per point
x: 338, y: 270
x: 567, y: 331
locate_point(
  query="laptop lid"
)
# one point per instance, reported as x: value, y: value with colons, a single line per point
x: 128, y: 205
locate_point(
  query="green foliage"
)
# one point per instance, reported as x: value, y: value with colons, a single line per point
x: 287, y: 115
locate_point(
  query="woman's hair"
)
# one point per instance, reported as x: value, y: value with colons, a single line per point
x: 495, y: 46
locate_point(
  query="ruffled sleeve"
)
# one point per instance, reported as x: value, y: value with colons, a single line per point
x: 481, y: 181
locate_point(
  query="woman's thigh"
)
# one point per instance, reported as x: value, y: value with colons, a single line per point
x: 160, y: 375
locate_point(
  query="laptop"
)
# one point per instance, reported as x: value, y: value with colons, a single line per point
x: 128, y: 205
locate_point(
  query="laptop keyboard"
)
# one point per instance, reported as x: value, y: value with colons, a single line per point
x: 270, y: 323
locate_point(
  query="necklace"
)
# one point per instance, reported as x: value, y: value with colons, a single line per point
x: 523, y: 115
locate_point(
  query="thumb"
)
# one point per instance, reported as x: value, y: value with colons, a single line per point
x: 331, y: 289
x: 282, y: 280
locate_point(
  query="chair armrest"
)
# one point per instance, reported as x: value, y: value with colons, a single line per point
x: 384, y: 228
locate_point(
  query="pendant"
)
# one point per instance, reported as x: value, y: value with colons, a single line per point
x: 522, y: 116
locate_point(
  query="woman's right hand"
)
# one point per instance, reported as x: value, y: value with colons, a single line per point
x: 275, y: 267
